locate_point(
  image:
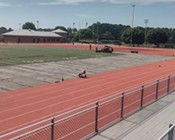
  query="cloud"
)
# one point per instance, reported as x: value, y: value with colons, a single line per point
x: 5, y: 4
x: 155, y: 1
x: 2, y: 4
x: 138, y: 1
x: 74, y: 2
x: 117, y: 1
x: 58, y: 2
x: 48, y: 3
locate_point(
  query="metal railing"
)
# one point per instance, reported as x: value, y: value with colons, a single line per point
x: 88, y: 120
x: 169, y: 134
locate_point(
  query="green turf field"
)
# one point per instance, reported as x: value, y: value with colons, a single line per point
x: 13, y: 55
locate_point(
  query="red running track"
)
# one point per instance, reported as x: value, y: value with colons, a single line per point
x: 22, y: 107
x: 141, y: 50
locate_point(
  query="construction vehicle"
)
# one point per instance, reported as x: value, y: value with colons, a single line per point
x: 106, y: 49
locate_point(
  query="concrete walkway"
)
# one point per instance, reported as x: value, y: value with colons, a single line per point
x: 147, y: 124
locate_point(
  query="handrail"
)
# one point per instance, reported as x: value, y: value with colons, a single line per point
x: 24, y: 128
x: 165, y: 133
x: 87, y: 107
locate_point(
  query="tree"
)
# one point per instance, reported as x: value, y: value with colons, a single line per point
x: 29, y: 25
x: 126, y: 36
x: 172, y: 36
x: 114, y: 30
x: 137, y: 36
x: 3, y: 30
x: 157, y: 36
x: 83, y: 34
x: 61, y: 28
x: 70, y: 32
x: 86, y: 34
x: 10, y: 29
x: 107, y: 36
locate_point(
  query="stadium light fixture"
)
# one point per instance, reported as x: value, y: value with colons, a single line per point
x: 37, y: 22
x: 133, y: 11
x: 146, y: 21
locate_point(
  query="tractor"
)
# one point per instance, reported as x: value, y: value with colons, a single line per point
x: 106, y: 49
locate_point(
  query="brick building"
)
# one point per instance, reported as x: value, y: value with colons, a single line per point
x: 31, y: 36
x: 61, y: 32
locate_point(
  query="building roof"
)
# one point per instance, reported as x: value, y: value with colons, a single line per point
x: 31, y: 33
x: 59, y: 31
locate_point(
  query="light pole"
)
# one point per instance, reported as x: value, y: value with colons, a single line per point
x: 19, y: 26
x: 73, y: 32
x: 133, y: 10
x: 37, y: 24
x: 79, y: 31
x: 97, y: 31
x: 86, y: 25
x: 146, y: 23
x: 73, y: 24
x: 93, y: 34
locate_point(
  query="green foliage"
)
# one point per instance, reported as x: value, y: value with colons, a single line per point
x: 86, y: 34
x: 29, y: 25
x: 70, y: 32
x: 141, y: 28
x: 103, y: 29
x: 107, y: 36
x: 157, y: 36
x: 126, y: 37
x: 60, y: 27
x: 172, y: 36
x: 3, y: 30
x: 137, y: 36
x: 45, y: 29
x: 106, y: 31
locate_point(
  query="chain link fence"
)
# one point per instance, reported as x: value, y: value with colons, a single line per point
x: 88, y: 120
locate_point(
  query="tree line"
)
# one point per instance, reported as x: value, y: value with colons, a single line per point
x: 117, y: 33
x: 127, y: 35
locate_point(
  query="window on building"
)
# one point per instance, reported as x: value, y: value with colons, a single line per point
x: 19, y: 40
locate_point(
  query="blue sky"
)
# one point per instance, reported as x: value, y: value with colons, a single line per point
x: 52, y: 13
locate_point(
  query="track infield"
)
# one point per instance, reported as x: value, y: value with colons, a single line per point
x: 127, y: 49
